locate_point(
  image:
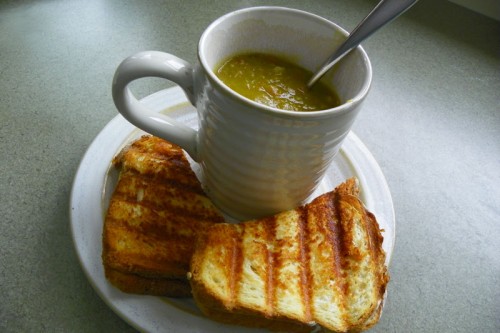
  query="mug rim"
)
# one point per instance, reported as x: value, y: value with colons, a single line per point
x: 344, y: 107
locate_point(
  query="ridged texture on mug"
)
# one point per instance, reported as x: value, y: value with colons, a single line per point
x: 261, y: 162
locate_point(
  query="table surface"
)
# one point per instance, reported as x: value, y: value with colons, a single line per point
x: 432, y: 121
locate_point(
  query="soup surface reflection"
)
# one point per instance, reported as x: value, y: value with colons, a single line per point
x: 275, y: 82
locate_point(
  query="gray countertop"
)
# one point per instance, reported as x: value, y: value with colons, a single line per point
x: 432, y: 121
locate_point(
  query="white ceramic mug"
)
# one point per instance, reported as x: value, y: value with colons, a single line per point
x: 256, y: 160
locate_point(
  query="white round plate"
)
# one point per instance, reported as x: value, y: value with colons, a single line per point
x: 95, y: 180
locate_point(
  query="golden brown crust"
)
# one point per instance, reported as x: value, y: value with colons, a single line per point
x: 258, y: 321
x: 325, y: 259
x: 217, y: 308
x: 154, y: 214
x: 136, y: 284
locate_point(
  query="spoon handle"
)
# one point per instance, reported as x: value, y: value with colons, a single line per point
x: 383, y: 13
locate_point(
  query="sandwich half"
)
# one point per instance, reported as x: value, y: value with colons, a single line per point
x: 154, y: 215
x: 320, y: 266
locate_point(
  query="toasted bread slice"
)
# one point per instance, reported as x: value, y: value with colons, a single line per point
x: 136, y: 284
x: 321, y: 263
x: 154, y: 214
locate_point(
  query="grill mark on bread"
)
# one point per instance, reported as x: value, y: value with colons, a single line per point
x: 155, y: 231
x: 180, y: 212
x: 177, y: 178
x: 305, y: 272
x: 236, y: 264
x: 138, y: 214
x: 343, y: 239
x: 345, y: 252
x: 340, y: 249
x: 182, y: 200
x: 269, y: 236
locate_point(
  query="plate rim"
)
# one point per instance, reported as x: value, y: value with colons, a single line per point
x: 122, y: 303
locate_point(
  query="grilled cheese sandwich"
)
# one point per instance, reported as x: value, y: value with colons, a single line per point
x: 321, y: 264
x: 154, y: 215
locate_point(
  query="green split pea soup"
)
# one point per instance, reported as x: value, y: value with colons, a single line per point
x: 276, y: 82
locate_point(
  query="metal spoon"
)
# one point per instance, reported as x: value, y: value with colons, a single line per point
x: 383, y: 13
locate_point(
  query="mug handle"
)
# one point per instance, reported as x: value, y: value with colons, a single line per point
x: 162, y: 65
